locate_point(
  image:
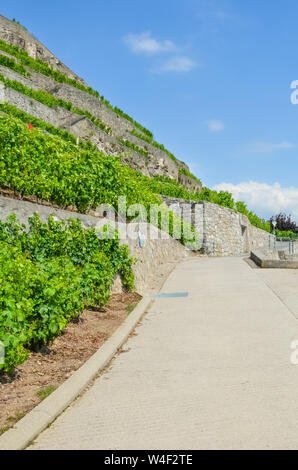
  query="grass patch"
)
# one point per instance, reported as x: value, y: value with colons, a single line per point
x: 185, y: 172
x: 46, y: 392
x: 3, y: 430
x: 12, y: 420
x: 133, y: 146
x: 130, y: 307
x: 11, y: 64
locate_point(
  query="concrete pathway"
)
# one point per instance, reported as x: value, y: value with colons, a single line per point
x: 211, y: 371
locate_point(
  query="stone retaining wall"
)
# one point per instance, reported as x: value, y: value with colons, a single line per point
x: 223, y: 232
x: 157, y: 163
x: 159, y: 249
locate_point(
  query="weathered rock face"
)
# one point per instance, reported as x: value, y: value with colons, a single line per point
x: 189, y: 183
x: 157, y: 162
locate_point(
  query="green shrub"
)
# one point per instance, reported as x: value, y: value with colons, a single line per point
x: 12, y: 64
x: 48, y: 275
x: 166, y: 187
x: 133, y: 146
x: 18, y: 277
x: 32, y: 163
x: 288, y: 234
x: 150, y: 140
x: 36, y: 122
x: 13, y: 111
x: 184, y: 171
x: 252, y: 217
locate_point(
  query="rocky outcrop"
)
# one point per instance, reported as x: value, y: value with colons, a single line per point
x: 17, y: 35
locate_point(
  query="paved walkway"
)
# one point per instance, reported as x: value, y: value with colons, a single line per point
x: 211, y: 371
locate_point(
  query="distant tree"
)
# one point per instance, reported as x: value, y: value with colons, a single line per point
x: 284, y: 223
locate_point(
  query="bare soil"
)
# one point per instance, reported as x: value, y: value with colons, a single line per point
x: 45, y: 370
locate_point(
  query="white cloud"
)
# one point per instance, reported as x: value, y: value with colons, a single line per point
x: 178, y: 64
x: 266, y: 147
x: 264, y: 199
x: 145, y: 43
x: 215, y: 125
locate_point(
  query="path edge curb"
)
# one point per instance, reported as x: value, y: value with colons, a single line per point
x: 43, y: 415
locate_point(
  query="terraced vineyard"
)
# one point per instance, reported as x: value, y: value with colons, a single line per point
x: 66, y: 145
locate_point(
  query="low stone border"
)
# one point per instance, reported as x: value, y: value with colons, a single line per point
x: 28, y: 428
x: 261, y: 260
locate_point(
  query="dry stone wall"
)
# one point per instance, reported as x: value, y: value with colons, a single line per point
x: 157, y: 163
x: 222, y: 231
x: 74, y: 124
x: 159, y: 249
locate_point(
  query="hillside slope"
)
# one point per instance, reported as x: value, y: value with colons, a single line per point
x: 37, y: 88
x: 78, y: 109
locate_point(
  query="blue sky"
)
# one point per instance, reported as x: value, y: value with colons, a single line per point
x: 210, y: 78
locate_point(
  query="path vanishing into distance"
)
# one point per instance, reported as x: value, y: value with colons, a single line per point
x: 207, y: 371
